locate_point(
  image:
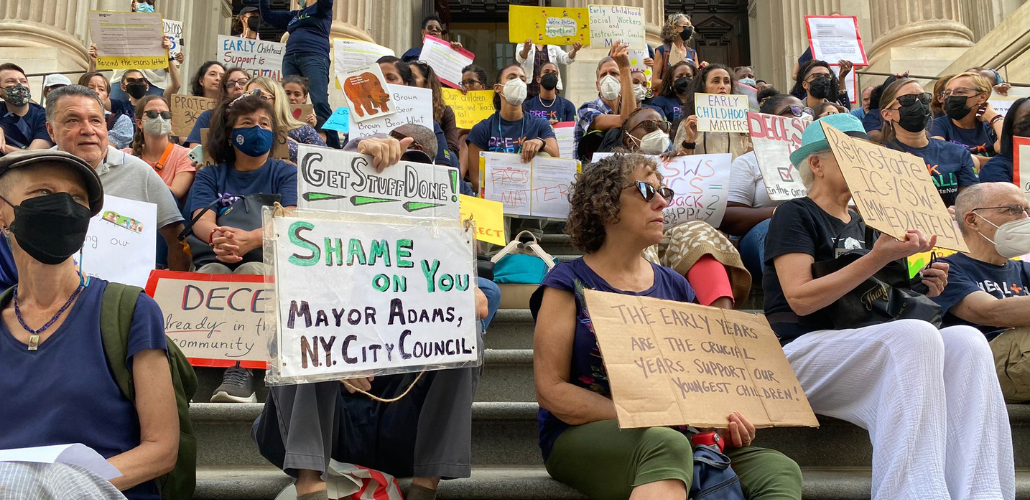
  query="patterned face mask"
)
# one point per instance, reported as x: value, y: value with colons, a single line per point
x: 18, y: 95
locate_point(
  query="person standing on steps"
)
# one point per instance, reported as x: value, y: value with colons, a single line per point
x: 533, y: 57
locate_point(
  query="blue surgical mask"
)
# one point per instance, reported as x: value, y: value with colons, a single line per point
x: 748, y: 81
x: 144, y: 7
x: 252, y: 141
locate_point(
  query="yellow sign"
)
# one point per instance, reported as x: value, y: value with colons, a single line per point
x: 128, y: 40
x: 548, y: 25
x: 488, y: 216
x: 471, y: 108
x: 127, y: 62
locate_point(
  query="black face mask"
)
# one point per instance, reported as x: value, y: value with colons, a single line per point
x: 687, y: 33
x: 681, y: 85
x: 136, y: 89
x: 955, y: 107
x: 549, y: 81
x: 253, y: 22
x: 913, y: 118
x: 50, y: 228
x: 820, y: 88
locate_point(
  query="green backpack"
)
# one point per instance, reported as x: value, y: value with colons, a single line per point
x: 116, y: 310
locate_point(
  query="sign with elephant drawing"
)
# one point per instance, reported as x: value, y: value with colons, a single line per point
x: 365, y: 90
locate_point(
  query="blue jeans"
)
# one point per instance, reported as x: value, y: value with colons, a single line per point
x: 316, y: 69
x: 493, y: 299
x: 752, y: 250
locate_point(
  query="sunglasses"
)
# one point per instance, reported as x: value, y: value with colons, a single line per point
x: 910, y: 99
x: 166, y: 115
x: 797, y: 111
x: 648, y: 191
x: 652, y: 125
x: 1013, y: 209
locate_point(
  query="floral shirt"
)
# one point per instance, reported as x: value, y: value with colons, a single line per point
x: 303, y: 135
x: 587, y: 367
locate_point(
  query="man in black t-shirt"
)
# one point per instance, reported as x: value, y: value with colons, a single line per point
x: 985, y: 288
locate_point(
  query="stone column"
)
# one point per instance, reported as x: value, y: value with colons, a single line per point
x: 917, y: 23
x: 45, y: 36
x: 779, y: 35
x: 394, y: 24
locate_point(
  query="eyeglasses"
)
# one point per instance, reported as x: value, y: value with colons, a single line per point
x: 239, y: 82
x: 165, y: 115
x: 960, y: 92
x: 910, y: 99
x: 797, y: 111
x: 1014, y: 209
x: 652, y: 125
x: 469, y: 83
x: 648, y: 191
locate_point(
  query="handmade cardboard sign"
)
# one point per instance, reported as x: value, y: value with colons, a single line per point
x: 445, y: 60
x: 365, y: 89
x: 215, y: 319
x: 609, y: 23
x: 721, y: 112
x: 121, y: 243
x: 128, y: 40
x: 281, y: 146
x: 774, y: 139
x: 548, y: 25
x: 488, y: 217
x: 414, y: 106
x: 357, y: 295
x: 339, y: 181
x: 301, y: 112
x: 893, y: 190
x: 257, y: 57
x: 539, y: 188
x: 701, y: 184
x: 208, y: 160
x: 470, y: 108
x: 185, y: 111
x: 674, y: 363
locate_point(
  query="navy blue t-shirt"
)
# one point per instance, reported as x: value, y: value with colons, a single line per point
x: 308, y: 27
x: 997, y: 169
x: 444, y: 156
x: 124, y: 107
x: 949, y: 164
x: 978, y: 140
x: 671, y: 107
x: 275, y: 176
x: 203, y: 121
x: 64, y: 392
x: 560, y: 109
x: 872, y: 120
x: 587, y: 369
x: 968, y: 275
x: 412, y: 54
x: 498, y: 135
x: 20, y: 131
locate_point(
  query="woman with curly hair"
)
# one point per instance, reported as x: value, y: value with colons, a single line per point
x: 622, y: 197
x: 675, y: 34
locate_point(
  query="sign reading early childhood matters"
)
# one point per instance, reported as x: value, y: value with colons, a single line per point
x: 675, y: 363
x: 721, y: 112
x: 893, y: 190
x: 215, y: 319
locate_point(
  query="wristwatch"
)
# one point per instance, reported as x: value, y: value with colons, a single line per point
x: 708, y: 439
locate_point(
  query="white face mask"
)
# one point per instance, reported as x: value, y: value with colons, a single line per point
x: 1012, y: 238
x: 157, y: 126
x: 654, y: 143
x: 515, y: 91
x: 610, y: 87
x: 639, y: 92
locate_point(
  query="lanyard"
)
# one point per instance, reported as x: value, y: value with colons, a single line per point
x: 522, y: 134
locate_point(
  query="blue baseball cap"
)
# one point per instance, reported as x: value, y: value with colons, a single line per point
x: 814, y: 139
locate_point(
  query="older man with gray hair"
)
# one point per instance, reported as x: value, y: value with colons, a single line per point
x: 988, y: 290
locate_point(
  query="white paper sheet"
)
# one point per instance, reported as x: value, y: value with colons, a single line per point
x: 71, y: 454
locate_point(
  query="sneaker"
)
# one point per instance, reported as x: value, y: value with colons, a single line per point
x: 237, y: 387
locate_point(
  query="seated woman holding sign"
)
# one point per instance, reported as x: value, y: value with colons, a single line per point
x: 616, y: 213
x: 929, y: 397
x: 712, y: 79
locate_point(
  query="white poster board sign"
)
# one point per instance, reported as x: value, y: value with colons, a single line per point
x: 701, y: 184
x: 121, y: 244
x: 339, y: 181
x: 537, y: 189
x: 836, y: 38
x: 445, y: 61
x: 565, y: 133
x: 774, y: 139
x: 352, y: 54
x: 258, y: 57
x: 609, y: 23
x: 414, y: 105
x: 173, y: 29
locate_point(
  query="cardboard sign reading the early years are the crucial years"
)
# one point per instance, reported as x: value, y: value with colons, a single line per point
x: 215, y: 319
x: 721, y: 112
x: 893, y: 190
x: 774, y: 138
x: 674, y: 363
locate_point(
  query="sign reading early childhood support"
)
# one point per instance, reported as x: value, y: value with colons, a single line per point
x: 609, y: 23
x: 893, y: 190
x: 675, y: 363
x: 414, y: 106
x: 215, y: 319
x: 340, y: 181
x: 539, y: 188
x: 721, y: 112
x: 121, y: 244
x: 469, y: 108
x: 128, y: 40
x: 836, y: 38
x: 257, y: 57
x: 774, y: 139
x: 357, y: 296
x: 185, y: 111
x: 548, y: 25
x: 446, y: 61
x: 701, y: 184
